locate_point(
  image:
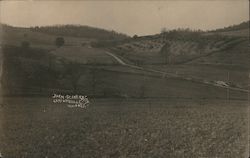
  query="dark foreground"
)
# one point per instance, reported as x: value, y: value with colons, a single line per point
x: 37, y: 128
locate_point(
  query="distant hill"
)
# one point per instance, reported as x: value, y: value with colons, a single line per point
x: 80, y: 31
x: 240, y: 30
x: 45, y: 36
x: 241, y: 26
x: 183, y: 46
x: 238, y: 55
x: 15, y: 35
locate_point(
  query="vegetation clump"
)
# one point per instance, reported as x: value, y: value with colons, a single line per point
x: 59, y: 41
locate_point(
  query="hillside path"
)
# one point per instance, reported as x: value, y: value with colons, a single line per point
x: 116, y: 58
x: 164, y: 74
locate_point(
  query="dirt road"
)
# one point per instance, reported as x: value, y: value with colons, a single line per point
x: 164, y: 74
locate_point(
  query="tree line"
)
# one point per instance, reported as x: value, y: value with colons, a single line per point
x: 80, y: 31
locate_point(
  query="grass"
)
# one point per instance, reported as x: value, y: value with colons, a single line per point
x: 241, y: 33
x: 84, y: 55
x: 147, y: 51
x: 14, y: 36
x: 134, y: 85
x: 237, y: 55
x: 110, y: 81
x: 34, y: 127
x: 237, y: 75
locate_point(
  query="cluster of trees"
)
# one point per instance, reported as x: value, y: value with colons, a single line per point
x: 80, y: 31
x: 30, y: 71
x: 192, y: 36
x: 26, y: 67
x: 186, y: 34
x: 243, y: 25
x: 59, y: 41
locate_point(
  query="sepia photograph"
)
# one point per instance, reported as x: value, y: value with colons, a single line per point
x: 124, y: 79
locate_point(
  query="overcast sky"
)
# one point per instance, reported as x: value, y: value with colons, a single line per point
x: 130, y: 17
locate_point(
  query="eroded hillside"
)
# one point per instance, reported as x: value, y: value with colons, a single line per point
x: 147, y: 50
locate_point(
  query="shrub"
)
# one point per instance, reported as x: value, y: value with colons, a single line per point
x: 59, y: 41
x: 135, y: 36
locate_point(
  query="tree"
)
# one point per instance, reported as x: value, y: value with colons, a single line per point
x: 59, y: 41
x: 164, y: 30
x: 135, y: 36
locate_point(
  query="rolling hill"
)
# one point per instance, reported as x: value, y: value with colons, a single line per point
x: 132, y: 112
x: 146, y: 50
x: 82, y: 62
x: 44, y: 37
x: 80, y: 31
x: 208, y: 56
x: 242, y: 26
x: 16, y: 35
x: 240, y: 30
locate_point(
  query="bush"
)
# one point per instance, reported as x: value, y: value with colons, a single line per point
x: 135, y: 36
x: 59, y: 41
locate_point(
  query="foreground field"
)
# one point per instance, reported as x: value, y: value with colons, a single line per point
x: 124, y: 128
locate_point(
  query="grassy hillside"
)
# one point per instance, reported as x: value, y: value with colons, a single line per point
x: 184, y: 45
x: 240, y: 30
x: 242, y: 26
x: 182, y: 48
x: 84, y: 55
x: 45, y: 36
x: 238, y: 55
x: 82, y: 68
x: 237, y: 33
x: 15, y: 35
x: 38, y: 73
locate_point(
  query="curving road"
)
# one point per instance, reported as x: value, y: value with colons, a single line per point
x: 116, y: 58
x: 120, y: 61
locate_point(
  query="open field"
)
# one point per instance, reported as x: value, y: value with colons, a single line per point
x: 14, y: 36
x: 238, y: 76
x: 34, y: 127
x: 84, y: 55
x: 106, y: 81
x: 146, y: 86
